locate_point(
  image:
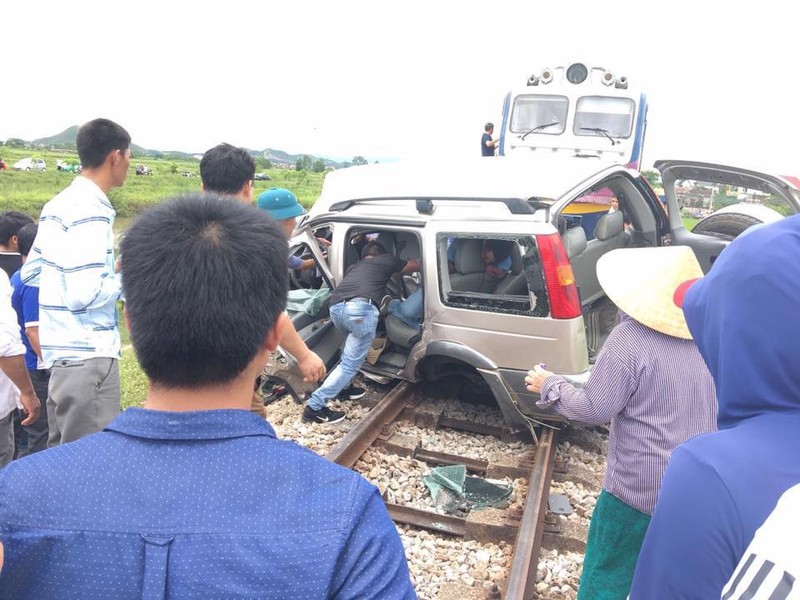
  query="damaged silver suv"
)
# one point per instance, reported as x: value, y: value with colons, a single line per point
x: 546, y: 306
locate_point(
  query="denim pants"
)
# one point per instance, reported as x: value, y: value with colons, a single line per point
x: 409, y: 311
x: 359, y: 320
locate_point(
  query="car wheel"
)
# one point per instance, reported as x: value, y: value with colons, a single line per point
x: 726, y: 226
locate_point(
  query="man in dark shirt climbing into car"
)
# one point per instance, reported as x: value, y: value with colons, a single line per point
x: 354, y: 309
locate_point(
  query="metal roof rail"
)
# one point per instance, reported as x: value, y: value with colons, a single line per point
x: 516, y: 206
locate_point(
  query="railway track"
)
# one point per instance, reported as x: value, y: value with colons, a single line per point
x: 525, y: 529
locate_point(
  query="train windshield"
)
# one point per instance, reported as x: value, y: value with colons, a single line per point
x: 546, y: 114
x: 604, y: 116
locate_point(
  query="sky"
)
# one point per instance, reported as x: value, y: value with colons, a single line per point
x: 391, y: 81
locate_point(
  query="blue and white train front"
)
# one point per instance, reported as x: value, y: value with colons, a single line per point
x: 576, y: 112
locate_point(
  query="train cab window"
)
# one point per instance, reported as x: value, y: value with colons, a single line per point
x: 604, y: 116
x: 536, y: 113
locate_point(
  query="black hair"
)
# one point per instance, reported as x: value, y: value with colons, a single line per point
x: 488, y: 126
x: 225, y: 169
x: 97, y: 138
x: 501, y: 249
x: 373, y: 249
x: 11, y: 221
x: 25, y: 237
x: 204, y: 282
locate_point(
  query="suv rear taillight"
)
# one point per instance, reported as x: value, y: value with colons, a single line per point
x: 565, y: 303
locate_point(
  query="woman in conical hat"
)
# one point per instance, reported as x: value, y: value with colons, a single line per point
x: 652, y: 385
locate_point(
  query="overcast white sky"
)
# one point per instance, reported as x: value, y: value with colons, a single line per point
x: 395, y: 80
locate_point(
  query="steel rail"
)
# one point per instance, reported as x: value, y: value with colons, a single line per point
x: 524, y: 561
x: 359, y: 438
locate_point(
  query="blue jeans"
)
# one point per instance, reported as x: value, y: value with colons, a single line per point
x: 409, y: 311
x: 359, y: 320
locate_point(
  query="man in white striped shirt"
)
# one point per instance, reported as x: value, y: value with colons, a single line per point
x: 72, y: 262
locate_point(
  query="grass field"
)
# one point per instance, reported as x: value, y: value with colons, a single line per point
x: 689, y: 222
x: 28, y: 191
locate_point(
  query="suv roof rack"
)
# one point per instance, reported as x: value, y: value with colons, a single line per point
x: 516, y: 206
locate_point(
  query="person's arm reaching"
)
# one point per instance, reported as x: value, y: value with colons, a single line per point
x: 606, y: 393
x: 311, y: 365
x: 411, y: 266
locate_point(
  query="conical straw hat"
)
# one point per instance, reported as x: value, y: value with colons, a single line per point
x: 649, y: 283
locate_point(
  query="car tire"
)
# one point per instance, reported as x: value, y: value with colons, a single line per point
x: 726, y: 226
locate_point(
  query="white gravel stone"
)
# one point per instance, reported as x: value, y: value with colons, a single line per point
x: 436, y: 559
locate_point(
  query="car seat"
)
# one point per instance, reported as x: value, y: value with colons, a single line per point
x: 401, y: 333
x: 609, y: 234
x: 514, y: 282
x: 469, y: 275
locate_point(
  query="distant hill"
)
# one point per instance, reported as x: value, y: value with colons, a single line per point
x: 66, y: 140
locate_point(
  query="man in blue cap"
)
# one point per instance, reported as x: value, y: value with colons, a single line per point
x: 228, y: 170
x: 282, y: 206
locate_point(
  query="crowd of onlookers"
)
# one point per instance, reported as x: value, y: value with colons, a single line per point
x: 193, y: 495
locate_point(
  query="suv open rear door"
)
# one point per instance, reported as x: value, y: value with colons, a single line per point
x: 748, y: 194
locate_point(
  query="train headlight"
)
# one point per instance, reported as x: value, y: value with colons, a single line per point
x: 607, y: 78
x: 547, y: 76
x: 577, y: 73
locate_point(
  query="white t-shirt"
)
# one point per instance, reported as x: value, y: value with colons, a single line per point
x: 10, y: 345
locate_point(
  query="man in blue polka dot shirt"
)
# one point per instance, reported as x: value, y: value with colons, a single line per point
x: 193, y: 496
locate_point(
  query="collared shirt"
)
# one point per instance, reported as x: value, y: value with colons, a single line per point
x: 656, y: 391
x: 204, y: 504
x: 10, y: 345
x: 72, y: 262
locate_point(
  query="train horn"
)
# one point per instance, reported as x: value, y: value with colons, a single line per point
x: 622, y: 82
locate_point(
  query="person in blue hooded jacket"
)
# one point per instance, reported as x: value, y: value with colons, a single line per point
x: 720, y: 488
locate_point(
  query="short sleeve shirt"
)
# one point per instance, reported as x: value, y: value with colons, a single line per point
x: 486, y: 150
x: 25, y: 300
x: 367, y: 278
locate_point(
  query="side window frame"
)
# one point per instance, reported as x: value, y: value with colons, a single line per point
x: 533, y: 303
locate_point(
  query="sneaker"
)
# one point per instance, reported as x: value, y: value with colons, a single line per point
x: 323, y: 415
x: 384, y: 307
x: 352, y: 392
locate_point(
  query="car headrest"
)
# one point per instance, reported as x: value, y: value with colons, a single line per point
x: 468, y: 257
x: 516, y: 260
x: 609, y: 225
x: 387, y: 240
x: 574, y: 240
